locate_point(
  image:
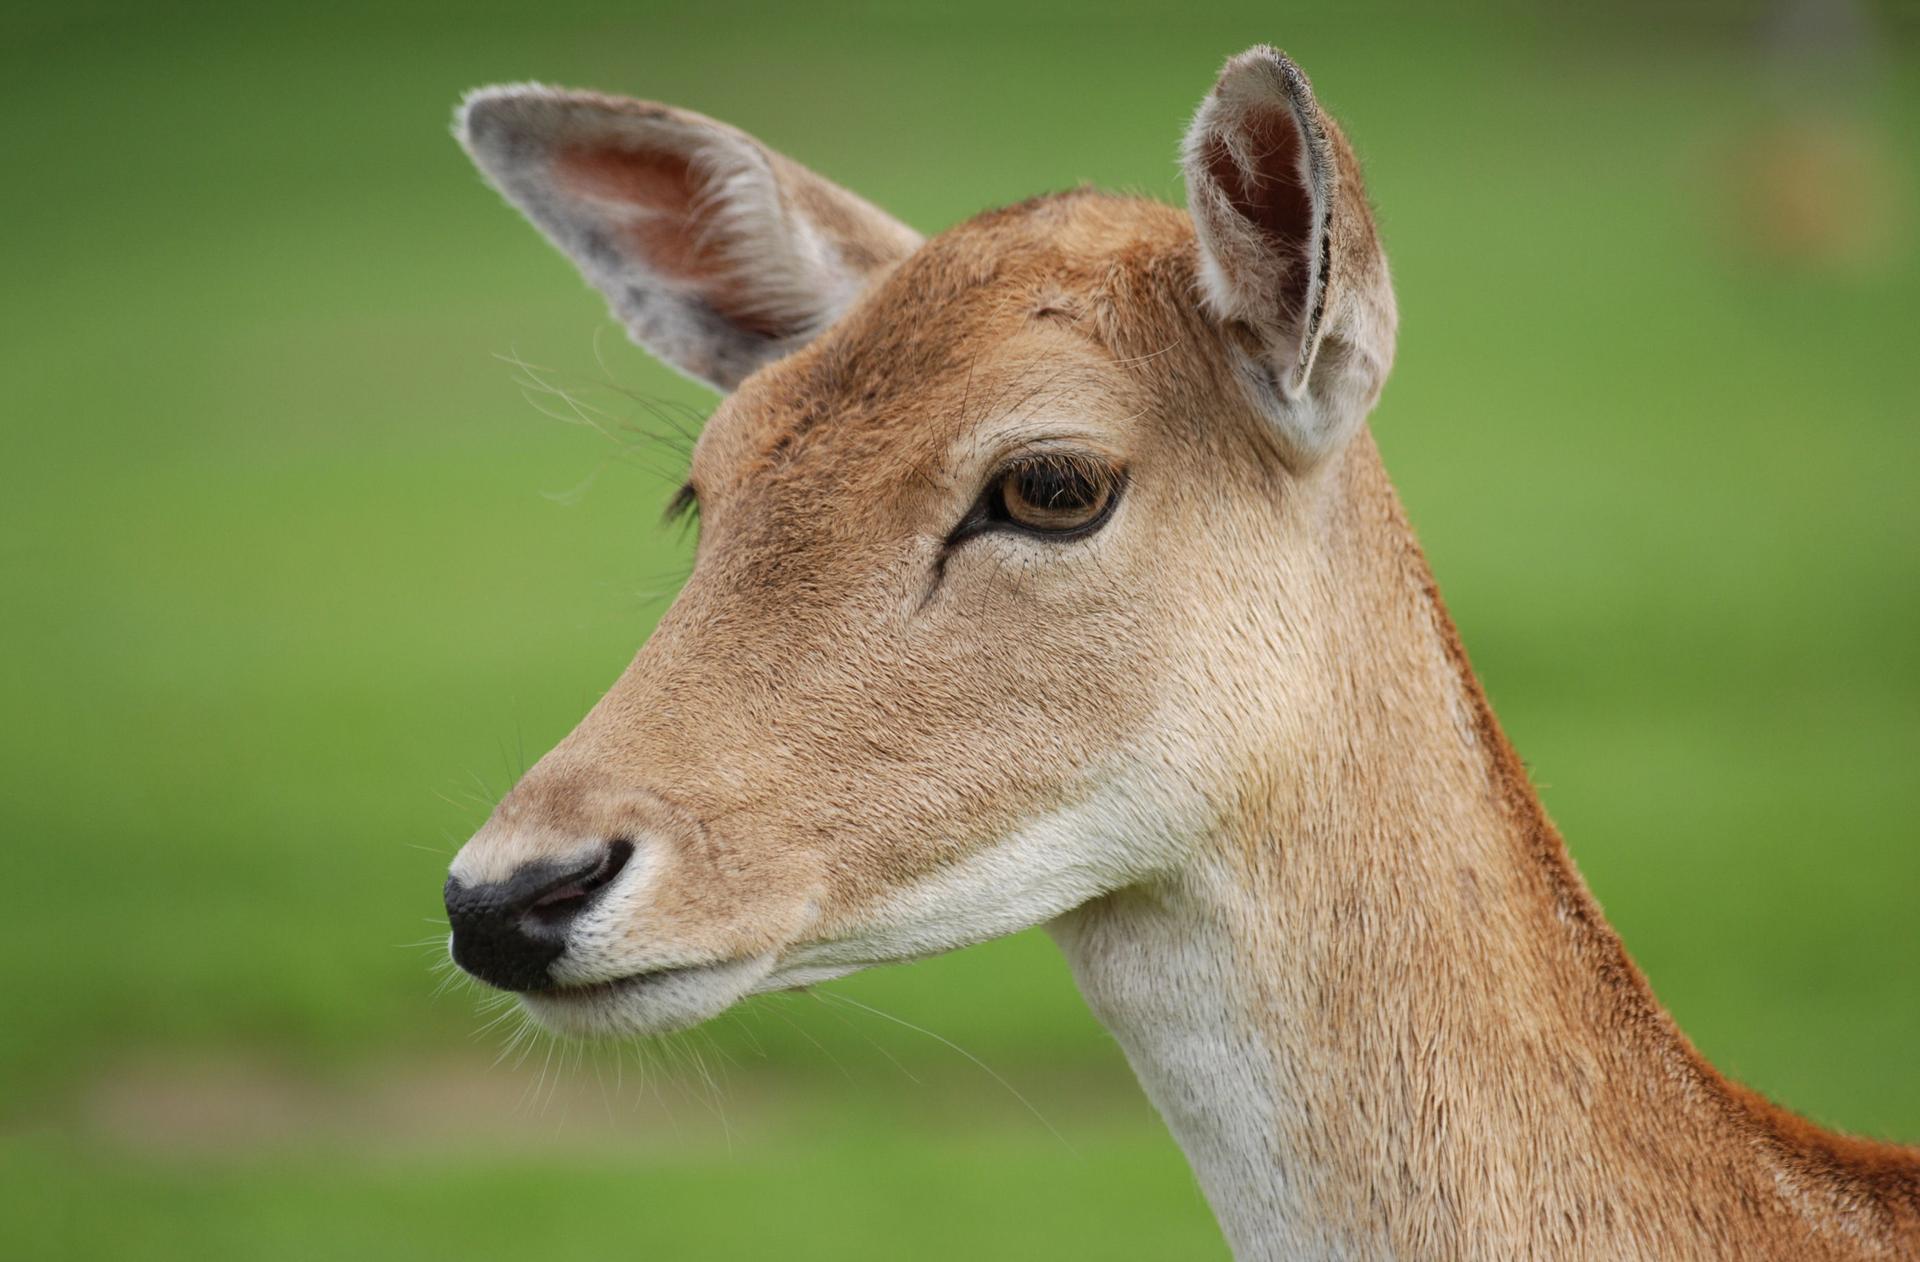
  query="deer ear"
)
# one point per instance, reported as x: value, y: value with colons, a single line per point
x: 1289, y: 261
x: 716, y: 253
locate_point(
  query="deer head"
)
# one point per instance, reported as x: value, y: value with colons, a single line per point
x: 1012, y: 568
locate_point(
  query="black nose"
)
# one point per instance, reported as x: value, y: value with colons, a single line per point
x: 507, y: 933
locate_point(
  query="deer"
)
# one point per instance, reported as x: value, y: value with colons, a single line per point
x: 1047, y: 574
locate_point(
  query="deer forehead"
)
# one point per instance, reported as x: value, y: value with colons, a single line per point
x: 1021, y: 323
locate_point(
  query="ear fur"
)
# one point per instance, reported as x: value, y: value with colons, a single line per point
x: 1288, y: 253
x: 717, y: 254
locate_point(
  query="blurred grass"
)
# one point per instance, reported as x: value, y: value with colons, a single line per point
x: 897, y: 1196
x: 289, y: 600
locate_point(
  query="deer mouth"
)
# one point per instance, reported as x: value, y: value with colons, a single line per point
x: 588, y: 992
x: 651, y: 1001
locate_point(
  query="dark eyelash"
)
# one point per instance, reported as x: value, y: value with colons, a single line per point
x: 683, y: 507
x: 1061, y: 476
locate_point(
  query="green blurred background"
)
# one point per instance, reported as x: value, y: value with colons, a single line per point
x: 297, y: 581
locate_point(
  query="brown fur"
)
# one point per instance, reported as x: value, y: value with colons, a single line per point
x: 1634, y: 1145
x: 838, y: 709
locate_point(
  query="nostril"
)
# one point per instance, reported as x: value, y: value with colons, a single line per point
x: 508, y: 932
x: 570, y: 897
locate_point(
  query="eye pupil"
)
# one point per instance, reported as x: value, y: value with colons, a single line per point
x: 1054, y: 489
x: 1055, y: 495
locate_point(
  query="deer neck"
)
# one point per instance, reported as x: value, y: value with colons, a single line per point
x: 1384, y: 1018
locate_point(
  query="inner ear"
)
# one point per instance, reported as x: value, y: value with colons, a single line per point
x: 667, y: 214
x: 1280, y: 208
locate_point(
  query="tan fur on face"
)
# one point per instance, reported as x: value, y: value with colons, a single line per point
x: 836, y: 704
x: 1228, y: 746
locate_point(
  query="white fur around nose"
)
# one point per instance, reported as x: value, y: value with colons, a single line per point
x: 617, y: 935
x: 499, y: 850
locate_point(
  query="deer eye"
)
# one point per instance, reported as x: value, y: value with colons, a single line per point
x: 1055, y: 495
